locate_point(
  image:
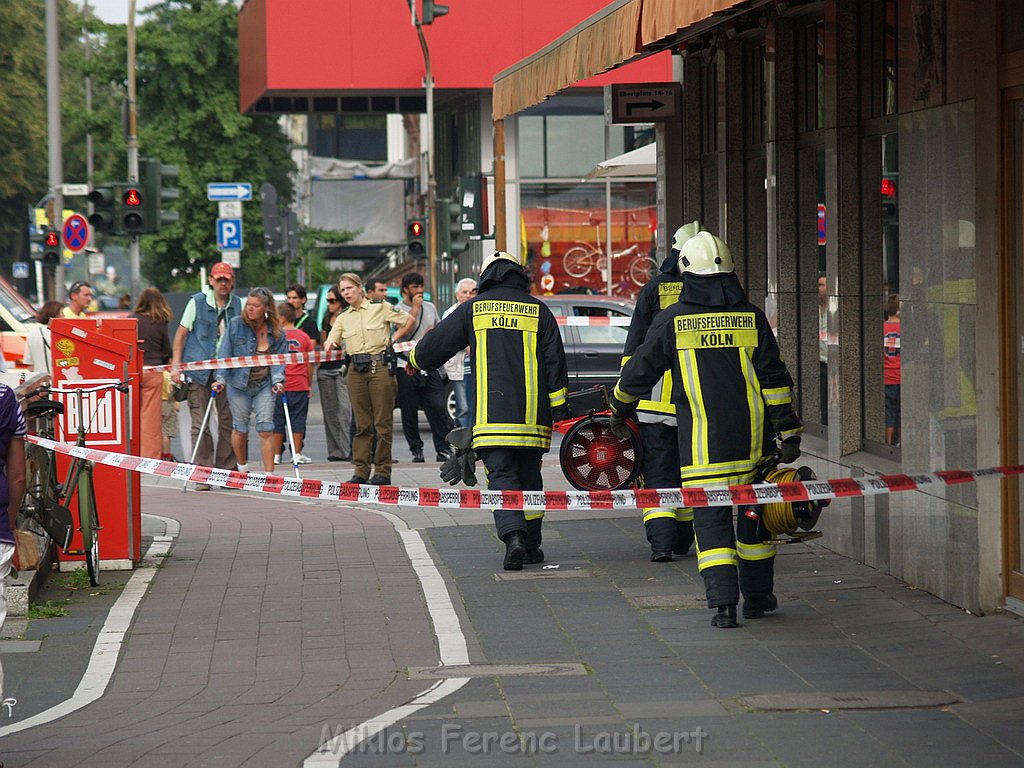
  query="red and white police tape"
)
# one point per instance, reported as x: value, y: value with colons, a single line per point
x: 250, y: 361
x: 289, y: 358
x: 453, y: 498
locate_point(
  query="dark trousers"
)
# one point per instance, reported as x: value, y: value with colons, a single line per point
x: 733, y: 561
x: 515, y: 469
x: 669, y: 529
x: 424, y: 390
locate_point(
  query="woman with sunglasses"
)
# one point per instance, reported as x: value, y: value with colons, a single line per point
x: 251, y: 391
x: 334, y: 399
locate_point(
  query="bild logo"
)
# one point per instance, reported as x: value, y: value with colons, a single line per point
x: 101, y: 413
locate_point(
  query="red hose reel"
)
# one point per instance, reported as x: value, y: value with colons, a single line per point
x: 593, y: 459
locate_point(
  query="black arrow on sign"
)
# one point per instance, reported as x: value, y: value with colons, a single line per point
x: 649, y: 105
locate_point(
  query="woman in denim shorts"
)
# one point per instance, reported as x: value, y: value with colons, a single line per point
x: 251, y: 391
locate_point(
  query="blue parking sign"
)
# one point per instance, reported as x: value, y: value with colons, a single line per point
x: 229, y: 234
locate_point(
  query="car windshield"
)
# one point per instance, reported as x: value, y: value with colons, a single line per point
x: 16, y: 305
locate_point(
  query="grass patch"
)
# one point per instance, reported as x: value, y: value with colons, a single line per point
x: 76, y: 579
x: 48, y: 610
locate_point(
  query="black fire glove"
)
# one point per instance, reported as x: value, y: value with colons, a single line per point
x: 560, y: 413
x: 619, y: 425
x: 462, y: 464
x: 790, y: 450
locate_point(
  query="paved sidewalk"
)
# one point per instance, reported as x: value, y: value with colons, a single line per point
x: 275, y: 624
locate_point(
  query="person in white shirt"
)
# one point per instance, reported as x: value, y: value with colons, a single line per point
x: 458, y: 368
x: 37, y: 344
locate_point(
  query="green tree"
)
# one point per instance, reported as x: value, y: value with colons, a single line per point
x: 23, y: 129
x: 187, y: 93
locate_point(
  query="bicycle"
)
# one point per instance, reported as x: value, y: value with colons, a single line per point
x: 582, y: 258
x: 46, y: 498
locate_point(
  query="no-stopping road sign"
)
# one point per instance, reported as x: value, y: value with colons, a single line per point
x: 75, y: 232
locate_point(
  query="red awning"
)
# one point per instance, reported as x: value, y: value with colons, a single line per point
x: 623, y: 31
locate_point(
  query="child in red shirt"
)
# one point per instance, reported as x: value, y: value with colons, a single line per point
x: 297, y: 378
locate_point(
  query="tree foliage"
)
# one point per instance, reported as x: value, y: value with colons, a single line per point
x: 187, y: 105
x: 187, y: 92
x: 23, y: 130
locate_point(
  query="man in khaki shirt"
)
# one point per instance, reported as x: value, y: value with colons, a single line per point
x: 364, y: 331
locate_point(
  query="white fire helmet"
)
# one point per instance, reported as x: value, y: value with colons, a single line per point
x: 683, y: 234
x: 705, y: 254
x: 498, y: 256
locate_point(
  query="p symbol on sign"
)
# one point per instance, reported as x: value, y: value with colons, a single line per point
x: 229, y: 234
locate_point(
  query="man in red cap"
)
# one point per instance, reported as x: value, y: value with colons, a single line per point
x: 198, y: 337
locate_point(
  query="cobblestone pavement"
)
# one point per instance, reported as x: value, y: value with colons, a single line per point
x: 275, y: 625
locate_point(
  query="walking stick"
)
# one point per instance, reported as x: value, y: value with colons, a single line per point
x: 291, y: 437
x: 199, y: 436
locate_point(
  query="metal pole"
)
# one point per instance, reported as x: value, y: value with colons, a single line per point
x: 89, y: 168
x: 133, y: 147
x: 53, y: 128
x: 608, y: 228
x: 431, y: 181
x: 500, y: 234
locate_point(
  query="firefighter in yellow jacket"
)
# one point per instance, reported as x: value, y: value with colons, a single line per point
x: 521, y: 385
x: 669, y: 529
x: 734, y: 401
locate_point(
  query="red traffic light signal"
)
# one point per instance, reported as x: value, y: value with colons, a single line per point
x: 416, y: 237
x: 51, y: 240
x: 132, y: 198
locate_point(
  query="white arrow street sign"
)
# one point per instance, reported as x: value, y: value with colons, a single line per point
x: 229, y: 190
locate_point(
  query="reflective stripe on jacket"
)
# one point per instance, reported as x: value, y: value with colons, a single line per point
x: 659, y: 294
x: 518, y: 364
x: 729, y: 384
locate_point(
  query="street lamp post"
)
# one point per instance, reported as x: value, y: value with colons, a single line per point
x: 133, y: 150
x: 431, y: 213
x: 55, y: 149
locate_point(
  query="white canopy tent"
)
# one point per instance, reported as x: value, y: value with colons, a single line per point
x: 642, y: 161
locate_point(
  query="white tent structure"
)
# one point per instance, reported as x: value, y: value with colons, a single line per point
x: 642, y: 161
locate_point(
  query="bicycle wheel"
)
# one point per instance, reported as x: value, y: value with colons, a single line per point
x: 39, y: 503
x: 89, y: 522
x: 641, y: 269
x: 578, y: 261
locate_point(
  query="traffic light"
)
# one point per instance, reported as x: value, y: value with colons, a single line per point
x: 104, y: 217
x: 457, y: 241
x: 432, y: 10
x: 51, y: 247
x: 131, y: 212
x: 155, y: 178
x: 416, y: 238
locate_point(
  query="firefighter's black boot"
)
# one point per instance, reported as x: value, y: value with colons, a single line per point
x: 757, y: 607
x: 533, y: 556
x: 515, y: 551
x: 725, y: 618
x: 661, y: 534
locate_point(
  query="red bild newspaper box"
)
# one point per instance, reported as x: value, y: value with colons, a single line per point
x: 88, y: 353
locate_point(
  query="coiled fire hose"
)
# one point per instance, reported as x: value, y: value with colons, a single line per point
x: 783, y: 518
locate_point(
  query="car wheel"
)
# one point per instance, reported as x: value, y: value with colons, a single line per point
x: 449, y: 400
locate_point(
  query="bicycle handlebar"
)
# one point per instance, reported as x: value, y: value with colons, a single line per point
x: 121, y: 386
